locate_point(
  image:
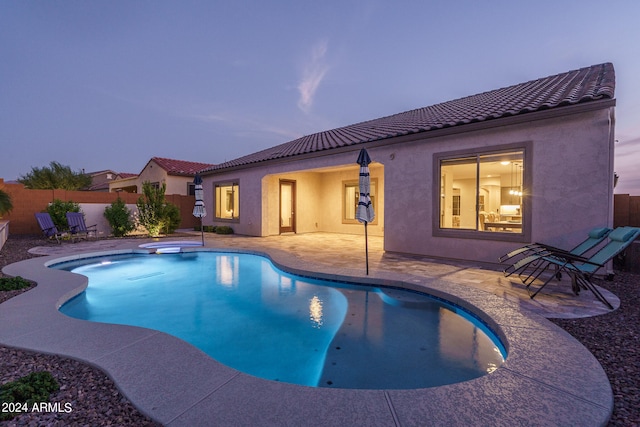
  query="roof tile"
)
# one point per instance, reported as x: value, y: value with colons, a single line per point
x: 181, y: 167
x: 570, y: 88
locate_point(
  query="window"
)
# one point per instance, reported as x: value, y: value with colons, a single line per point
x: 227, y: 198
x: 350, y: 198
x: 191, y: 189
x: 483, y: 192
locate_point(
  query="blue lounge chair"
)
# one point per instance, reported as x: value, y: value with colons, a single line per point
x: 582, y: 269
x: 77, y: 226
x: 534, y: 252
x: 47, y: 226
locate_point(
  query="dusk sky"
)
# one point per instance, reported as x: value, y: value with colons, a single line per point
x: 109, y: 84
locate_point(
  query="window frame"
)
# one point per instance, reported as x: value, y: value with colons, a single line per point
x: 374, y: 198
x: 226, y: 183
x: 527, y: 200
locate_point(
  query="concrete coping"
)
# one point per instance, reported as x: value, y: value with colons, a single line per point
x: 548, y: 377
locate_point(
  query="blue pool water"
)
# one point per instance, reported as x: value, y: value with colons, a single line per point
x: 251, y: 316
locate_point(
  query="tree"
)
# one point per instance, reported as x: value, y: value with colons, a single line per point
x: 154, y: 212
x: 5, y: 203
x: 56, y: 176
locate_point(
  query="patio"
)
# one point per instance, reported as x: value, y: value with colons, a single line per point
x: 557, y: 388
x: 343, y: 254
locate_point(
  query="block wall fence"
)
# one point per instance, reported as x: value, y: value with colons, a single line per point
x: 28, y: 202
x: 626, y: 210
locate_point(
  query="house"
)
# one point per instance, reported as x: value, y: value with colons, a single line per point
x: 176, y: 174
x: 466, y: 179
x: 100, y: 179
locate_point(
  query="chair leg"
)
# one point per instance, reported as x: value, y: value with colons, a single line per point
x: 540, y: 288
x: 594, y: 290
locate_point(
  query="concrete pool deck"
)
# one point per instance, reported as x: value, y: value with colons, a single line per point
x: 548, y: 378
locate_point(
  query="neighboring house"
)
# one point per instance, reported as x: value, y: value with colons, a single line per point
x: 100, y: 180
x: 176, y: 174
x: 466, y: 179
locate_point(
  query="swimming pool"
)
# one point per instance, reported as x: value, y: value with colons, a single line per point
x: 247, y: 314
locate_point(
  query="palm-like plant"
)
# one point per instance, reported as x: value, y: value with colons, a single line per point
x: 5, y: 203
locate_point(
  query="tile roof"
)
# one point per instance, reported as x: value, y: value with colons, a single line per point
x: 124, y: 175
x: 573, y: 87
x: 180, y: 167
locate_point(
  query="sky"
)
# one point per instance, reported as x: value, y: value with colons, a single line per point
x: 109, y: 84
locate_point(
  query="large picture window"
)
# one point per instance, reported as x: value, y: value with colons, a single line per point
x: 227, y: 196
x: 483, y: 192
x: 350, y: 198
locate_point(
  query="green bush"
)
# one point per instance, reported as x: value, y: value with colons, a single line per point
x: 13, y: 283
x: 224, y: 229
x: 155, y: 213
x: 119, y: 217
x: 171, y: 218
x: 58, y: 211
x: 205, y: 228
x: 30, y: 389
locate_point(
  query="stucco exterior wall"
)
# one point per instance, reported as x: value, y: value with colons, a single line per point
x: 570, y: 193
x: 570, y: 190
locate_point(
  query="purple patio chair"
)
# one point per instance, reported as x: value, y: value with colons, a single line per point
x: 47, y: 226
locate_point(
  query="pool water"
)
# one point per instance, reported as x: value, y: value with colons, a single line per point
x: 251, y: 316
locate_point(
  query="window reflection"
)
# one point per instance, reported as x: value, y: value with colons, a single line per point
x: 227, y: 270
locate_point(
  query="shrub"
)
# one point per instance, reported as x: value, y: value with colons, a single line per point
x: 224, y: 229
x: 119, y: 217
x: 13, y: 283
x: 58, y: 211
x: 30, y: 389
x: 171, y: 218
x: 154, y: 213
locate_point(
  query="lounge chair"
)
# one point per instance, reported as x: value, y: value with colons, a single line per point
x: 47, y: 226
x: 532, y: 253
x: 583, y: 269
x: 77, y: 226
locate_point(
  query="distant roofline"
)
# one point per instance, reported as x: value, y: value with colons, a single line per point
x: 163, y: 161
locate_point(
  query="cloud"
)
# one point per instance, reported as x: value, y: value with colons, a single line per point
x: 313, y: 73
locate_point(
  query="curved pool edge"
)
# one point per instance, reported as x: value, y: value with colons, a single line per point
x: 177, y: 384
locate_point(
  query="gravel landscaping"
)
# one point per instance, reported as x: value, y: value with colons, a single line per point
x: 95, y: 400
